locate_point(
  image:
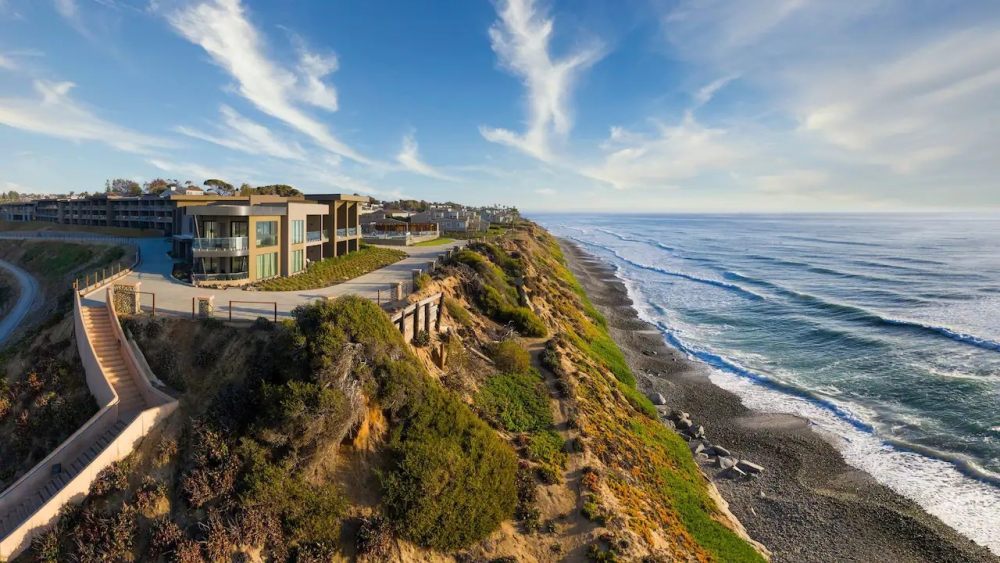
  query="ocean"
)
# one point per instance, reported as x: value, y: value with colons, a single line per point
x: 882, y: 330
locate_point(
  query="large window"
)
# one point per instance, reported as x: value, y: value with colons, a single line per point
x: 298, y: 232
x: 267, y: 233
x: 209, y: 229
x: 238, y: 229
x: 298, y: 261
x: 267, y: 265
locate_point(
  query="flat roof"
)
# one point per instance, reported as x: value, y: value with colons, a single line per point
x: 337, y: 197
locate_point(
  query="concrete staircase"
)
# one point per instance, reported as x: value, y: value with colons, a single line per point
x: 97, y: 325
x: 109, y: 355
x: 21, y: 512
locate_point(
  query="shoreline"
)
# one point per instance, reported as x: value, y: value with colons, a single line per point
x: 808, y: 504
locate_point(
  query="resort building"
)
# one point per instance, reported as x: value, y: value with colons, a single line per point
x: 234, y: 242
x: 226, y: 239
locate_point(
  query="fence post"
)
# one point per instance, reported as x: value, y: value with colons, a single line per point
x: 275, y: 312
x: 230, y: 310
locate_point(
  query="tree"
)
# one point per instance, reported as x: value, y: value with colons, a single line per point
x: 122, y: 186
x: 283, y: 190
x: 158, y: 186
x: 221, y: 187
x: 246, y: 189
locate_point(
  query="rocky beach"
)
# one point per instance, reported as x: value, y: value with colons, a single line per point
x: 786, y: 483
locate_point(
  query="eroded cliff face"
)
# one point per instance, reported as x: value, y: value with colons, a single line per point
x: 515, y: 434
x: 623, y: 485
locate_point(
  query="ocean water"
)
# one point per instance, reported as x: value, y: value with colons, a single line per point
x: 883, y: 330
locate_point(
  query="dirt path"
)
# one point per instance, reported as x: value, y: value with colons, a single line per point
x: 561, y: 502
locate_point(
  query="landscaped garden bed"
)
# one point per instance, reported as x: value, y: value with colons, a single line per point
x: 332, y: 271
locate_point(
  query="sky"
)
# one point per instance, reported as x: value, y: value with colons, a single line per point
x: 576, y: 105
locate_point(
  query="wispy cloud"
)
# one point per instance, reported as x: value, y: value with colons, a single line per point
x: 222, y: 29
x: 409, y: 157
x: 241, y: 134
x: 674, y: 152
x: 521, y: 40
x: 56, y: 114
x: 6, y: 63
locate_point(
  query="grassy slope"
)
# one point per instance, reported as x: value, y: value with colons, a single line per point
x: 58, y: 227
x: 436, y: 242
x: 650, y: 476
x: 332, y: 271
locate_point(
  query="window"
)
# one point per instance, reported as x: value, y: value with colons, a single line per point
x: 267, y: 265
x: 209, y: 229
x: 238, y: 229
x: 298, y: 261
x: 267, y: 233
x: 298, y: 232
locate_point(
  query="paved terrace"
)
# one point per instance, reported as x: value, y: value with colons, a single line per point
x: 173, y: 297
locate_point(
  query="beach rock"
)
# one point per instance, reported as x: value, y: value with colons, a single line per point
x: 684, y: 423
x: 723, y: 462
x: 735, y: 472
x: 696, y: 447
x: 749, y: 467
x: 658, y: 399
x: 649, y: 352
x: 720, y: 451
x: 677, y: 415
x: 699, y: 432
x: 685, y: 436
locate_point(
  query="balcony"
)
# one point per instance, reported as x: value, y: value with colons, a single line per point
x: 234, y: 276
x: 220, y: 246
x: 348, y: 232
x: 317, y: 236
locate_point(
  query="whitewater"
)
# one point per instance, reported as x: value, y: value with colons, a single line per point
x: 882, y: 330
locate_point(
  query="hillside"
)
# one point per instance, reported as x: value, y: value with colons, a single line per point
x: 518, y: 435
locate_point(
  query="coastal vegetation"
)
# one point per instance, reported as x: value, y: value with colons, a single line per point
x: 339, y: 269
x: 328, y: 435
x: 436, y: 242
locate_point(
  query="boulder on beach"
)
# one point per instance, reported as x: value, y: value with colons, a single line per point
x: 749, y: 467
x: 657, y: 399
x: 696, y: 447
x: 684, y: 423
x: 724, y: 462
x: 677, y: 415
x: 721, y: 452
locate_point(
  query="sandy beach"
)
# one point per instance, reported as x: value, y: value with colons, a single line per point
x: 808, y: 504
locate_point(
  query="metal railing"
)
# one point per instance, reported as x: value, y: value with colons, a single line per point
x: 220, y: 243
x: 230, y: 276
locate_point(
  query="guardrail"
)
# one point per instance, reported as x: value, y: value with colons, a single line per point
x: 105, y: 276
x: 233, y: 276
x: 314, y: 236
x: 220, y: 243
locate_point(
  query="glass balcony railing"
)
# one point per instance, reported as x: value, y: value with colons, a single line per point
x: 348, y: 232
x: 220, y: 243
x: 233, y: 276
x: 313, y: 236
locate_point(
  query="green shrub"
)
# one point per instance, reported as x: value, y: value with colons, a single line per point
x: 547, y: 447
x: 421, y: 281
x: 510, y: 356
x: 421, y: 338
x: 458, y: 312
x: 518, y: 402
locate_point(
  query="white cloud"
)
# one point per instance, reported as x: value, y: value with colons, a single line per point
x: 678, y: 152
x: 239, y: 133
x: 56, y: 114
x: 521, y: 40
x: 6, y: 63
x: 409, y: 157
x: 916, y: 110
x: 313, y: 68
x: 546, y: 192
x: 222, y: 29
x: 707, y: 92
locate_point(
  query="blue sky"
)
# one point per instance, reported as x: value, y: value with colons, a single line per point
x: 632, y: 105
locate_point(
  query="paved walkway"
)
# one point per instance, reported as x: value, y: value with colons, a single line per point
x: 25, y: 299
x: 173, y: 297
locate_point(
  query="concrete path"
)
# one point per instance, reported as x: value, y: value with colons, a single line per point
x: 25, y: 299
x: 173, y: 297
